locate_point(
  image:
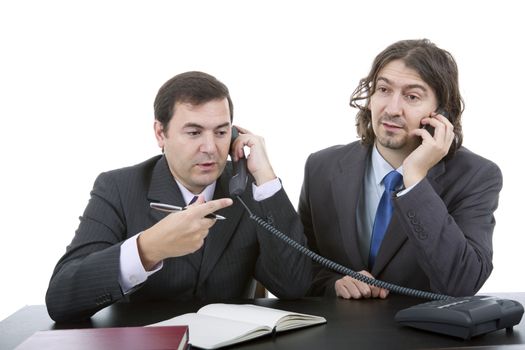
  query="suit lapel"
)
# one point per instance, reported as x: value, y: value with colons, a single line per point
x: 347, y: 185
x: 395, y: 237
x: 164, y: 189
x: 223, y: 230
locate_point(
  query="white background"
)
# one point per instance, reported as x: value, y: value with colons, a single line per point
x: 78, y: 79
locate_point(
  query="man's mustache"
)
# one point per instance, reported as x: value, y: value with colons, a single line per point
x: 394, y: 120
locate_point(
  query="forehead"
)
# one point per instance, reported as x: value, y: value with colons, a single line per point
x: 214, y: 111
x: 397, y: 73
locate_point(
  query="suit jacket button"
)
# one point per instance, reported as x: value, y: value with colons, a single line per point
x: 411, y: 213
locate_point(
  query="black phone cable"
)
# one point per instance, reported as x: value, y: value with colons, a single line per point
x: 340, y: 268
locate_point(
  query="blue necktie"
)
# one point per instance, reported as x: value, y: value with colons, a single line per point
x: 392, y: 180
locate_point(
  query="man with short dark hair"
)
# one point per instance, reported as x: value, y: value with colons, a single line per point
x: 123, y: 248
x: 407, y: 204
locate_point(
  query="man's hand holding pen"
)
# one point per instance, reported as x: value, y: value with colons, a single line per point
x: 179, y: 233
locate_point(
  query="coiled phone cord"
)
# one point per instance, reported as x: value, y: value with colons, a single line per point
x: 340, y: 268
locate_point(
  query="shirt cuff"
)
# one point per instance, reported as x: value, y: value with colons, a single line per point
x: 266, y: 190
x: 132, y: 272
x: 406, y: 190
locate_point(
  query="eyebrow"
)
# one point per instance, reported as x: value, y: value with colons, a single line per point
x: 198, y: 126
x: 409, y: 86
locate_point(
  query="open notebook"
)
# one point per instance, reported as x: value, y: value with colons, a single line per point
x: 218, y: 325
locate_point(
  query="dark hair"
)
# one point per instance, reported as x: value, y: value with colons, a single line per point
x: 195, y: 88
x: 435, y: 66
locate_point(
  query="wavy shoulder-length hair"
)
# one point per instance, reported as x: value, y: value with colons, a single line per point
x: 435, y: 66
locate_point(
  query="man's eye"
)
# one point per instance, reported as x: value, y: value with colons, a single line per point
x: 413, y: 98
x: 221, y: 132
x: 193, y: 133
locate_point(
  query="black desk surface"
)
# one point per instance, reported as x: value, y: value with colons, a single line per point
x: 358, y: 324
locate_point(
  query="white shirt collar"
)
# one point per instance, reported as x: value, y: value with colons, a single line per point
x: 380, y: 166
x: 188, y: 196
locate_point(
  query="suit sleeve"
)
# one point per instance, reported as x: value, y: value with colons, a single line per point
x: 452, y: 234
x: 323, y: 279
x: 283, y: 270
x: 85, y: 279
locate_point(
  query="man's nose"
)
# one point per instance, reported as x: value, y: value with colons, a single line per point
x: 394, y: 105
x: 208, y: 144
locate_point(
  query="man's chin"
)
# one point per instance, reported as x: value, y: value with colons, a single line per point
x: 392, y: 142
x: 402, y: 144
x: 206, y: 179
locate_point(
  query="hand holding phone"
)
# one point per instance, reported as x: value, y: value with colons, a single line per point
x: 257, y: 161
x: 431, y: 148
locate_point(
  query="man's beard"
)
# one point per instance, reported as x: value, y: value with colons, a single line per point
x: 389, y: 139
x: 397, y: 142
x: 392, y: 142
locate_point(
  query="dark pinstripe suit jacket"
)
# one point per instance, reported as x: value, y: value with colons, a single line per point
x: 439, y: 239
x: 236, y: 250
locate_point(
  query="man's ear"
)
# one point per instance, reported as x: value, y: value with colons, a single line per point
x: 159, y: 133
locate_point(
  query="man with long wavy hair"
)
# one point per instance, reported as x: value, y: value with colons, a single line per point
x: 439, y: 236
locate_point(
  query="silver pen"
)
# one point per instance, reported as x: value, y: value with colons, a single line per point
x: 173, y: 208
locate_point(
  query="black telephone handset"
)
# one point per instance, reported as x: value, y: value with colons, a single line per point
x: 240, y: 172
x: 429, y: 127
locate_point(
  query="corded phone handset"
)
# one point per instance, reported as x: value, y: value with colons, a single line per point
x: 462, y: 317
x: 429, y: 127
x: 240, y: 172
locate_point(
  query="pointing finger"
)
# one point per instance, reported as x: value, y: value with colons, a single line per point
x: 204, y: 209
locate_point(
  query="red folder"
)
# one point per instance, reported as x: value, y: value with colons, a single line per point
x: 129, y: 338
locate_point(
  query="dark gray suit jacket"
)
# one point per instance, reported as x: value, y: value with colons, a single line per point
x: 236, y: 250
x: 439, y: 238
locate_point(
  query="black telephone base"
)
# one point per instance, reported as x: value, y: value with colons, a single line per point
x: 463, y: 317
